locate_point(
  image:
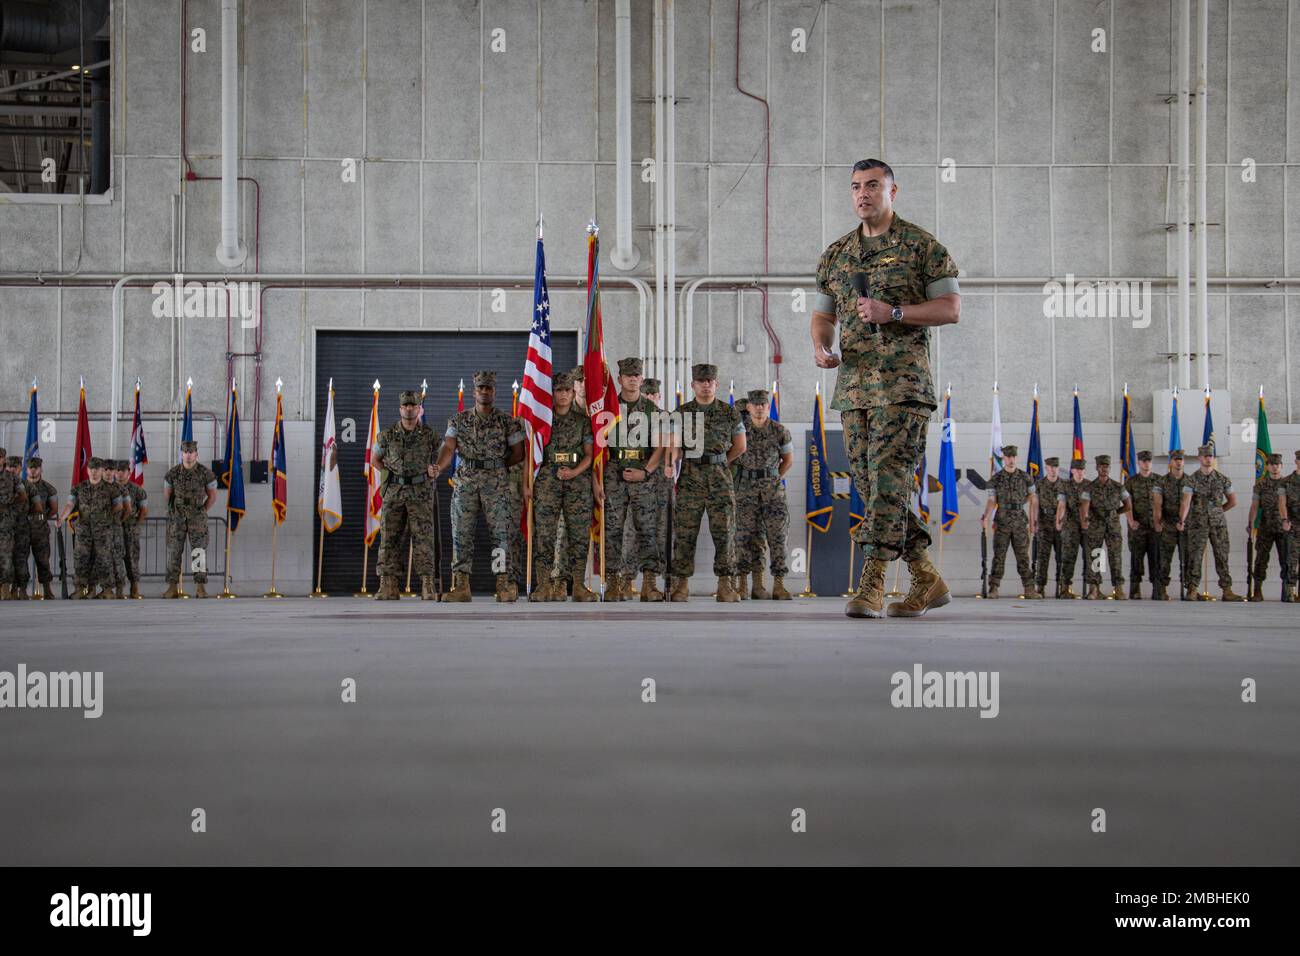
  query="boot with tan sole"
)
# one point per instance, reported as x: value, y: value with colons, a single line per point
x: 1093, y: 593
x: 387, y: 590
x: 428, y: 588
x: 4, y: 591
x: 649, y: 593
x: 680, y: 590
x: 20, y: 593
x: 1031, y: 591
x: 134, y: 595
x: 1135, y: 591
x: 200, y: 589
x: 993, y: 592
x: 507, y: 590
x: 1228, y: 595
x: 540, y: 593
x: 759, y: 590
x: 869, y: 599
x: 173, y: 589
x: 581, y: 593
x: 779, y: 593
x: 103, y: 594
x: 727, y: 593
x: 741, y: 584
x: 927, y: 591
x: 1117, y: 593
x: 560, y: 590
x: 459, y: 593
x: 1256, y: 592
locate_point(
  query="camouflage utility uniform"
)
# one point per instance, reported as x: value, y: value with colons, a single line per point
x: 1207, y: 524
x: 571, y: 498
x: 484, y: 441
x: 95, y: 505
x: 706, y: 485
x: 408, y: 499
x: 1048, y: 536
x: 187, y: 519
x: 1011, y: 490
x: 1143, y: 542
x: 761, y: 509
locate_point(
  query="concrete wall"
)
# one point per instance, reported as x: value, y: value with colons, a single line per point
x: 1062, y: 166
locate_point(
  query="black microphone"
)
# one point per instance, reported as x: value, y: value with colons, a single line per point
x: 862, y: 285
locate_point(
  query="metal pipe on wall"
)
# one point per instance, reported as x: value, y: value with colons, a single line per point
x: 1202, y: 302
x: 669, y: 375
x: 230, y: 252
x: 656, y: 354
x: 1184, y: 250
x: 625, y: 254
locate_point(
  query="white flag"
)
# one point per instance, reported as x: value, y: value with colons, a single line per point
x: 374, y: 477
x: 329, y: 500
x: 995, y: 444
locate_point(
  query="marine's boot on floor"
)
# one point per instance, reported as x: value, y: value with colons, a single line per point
x: 779, y: 593
x: 727, y: 593
x: 928, y: 590
x: 581, y: 593
x: 759, y: 589
x: 1228, y: 595
x: 680, y: 590
x: 459, y: 592
x: 869, y: 599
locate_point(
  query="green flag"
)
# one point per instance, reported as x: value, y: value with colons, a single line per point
x: 1263, y: 447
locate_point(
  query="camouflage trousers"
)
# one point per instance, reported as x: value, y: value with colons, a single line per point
x: 554, y: 499
x: 6, y: 549
x: 1011, y: 529
x: 639, y: 500
x: 1143, y: 548
x: 21, y: 547
x: 1170, y: 540
x: 1216, y: 535
x: 761, y: 514
x: 516, y: 518
x: 1266, y: 539
x: 1293, y: 549
x: 131, y: 550
x: 179, y: 557
x: 92, y: 553
x: 1048, y: 539
x: 119, y: 555
x: 1103, y: 533
x: 40, y: 537
x: 1071, y: 538
x: 407, y: 511
x: 704, y: 488
x: 481, y: 491
x: 884, y: 446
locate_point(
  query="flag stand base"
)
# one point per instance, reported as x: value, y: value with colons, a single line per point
x: 226, y: 593
x: 318, y: 593
x: 363, y: 593
x: 180, y: 593
x: 273, y: 593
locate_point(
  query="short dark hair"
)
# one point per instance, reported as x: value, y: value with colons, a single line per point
x: 862, y: 164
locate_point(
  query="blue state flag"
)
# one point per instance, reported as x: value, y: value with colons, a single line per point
x: 1175, y: 435
x: 1034, y: 463
x: 948, y: 470
x: 32, y: 447
x: 857, y: 510
x: 1127, y: 450
x: 187, y: 420
x: 1207, y: 435
x: 232, y: 465
x: 817, y: 511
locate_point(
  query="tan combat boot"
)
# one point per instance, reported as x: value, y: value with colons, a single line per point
x: 540, y: 593
x: 779, y: 593
x: 428, y: 588
x: 119, y: 593
x: 1031, y: 591
x: 4, y: 592
x: 103, y: 594
x: 459, y: 592
x: 727, y: 593
x: 200, y: 589
x: 581, y: 593
x: 560, y: 590
x: 1093, y: 593
x: 741, y: 583
x: 928, y: 590
x: 680, y: 590
x: 1117, y: 593
x: 1135, y: 591
x: 173, y: 589
x: 759, y: 590
x: 869, y: 599
x: 1158, y: 593
x: 1257, y: 591
x: 134, y: 595
x: 993, y: 592
x: 649, y: 593
x: 20, y: 592
x: 507, y: 590
x: 387, y: 590
x: 1228, y: 595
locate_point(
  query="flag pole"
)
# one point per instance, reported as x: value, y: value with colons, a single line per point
x: 807, y: 591
x: 225, y: 590
x: 850, y: 592
x: 320, y: 563
x: 275, y: 531
x: 528, y: 505
x: 898, y: 570
x: 365, y: 564
x: 941, y: 537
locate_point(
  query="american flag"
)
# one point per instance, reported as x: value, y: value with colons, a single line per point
x: 139, y: 454
x: 535, y: 399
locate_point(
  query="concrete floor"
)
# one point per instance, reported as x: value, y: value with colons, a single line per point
x: 234, y: 706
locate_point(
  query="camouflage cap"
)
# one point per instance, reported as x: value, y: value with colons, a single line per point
x: 189, y: 446
x: 410, y: 397
x: 1205, y: 451
x: 485, y: 379
x: 1053, y: 461
x: 1078, y: 463
x: 579, y: 374
x: 650, y: 386
x: 759, y: 396
x: 1144, y: 455
x: 1011, y: 450
x: 1102, y: 460
x: 1176, y: 453
x: 704, y: 372
x: 562, y: 380
x: 4, y: 451
x: 122, y: 464
x: 96, y: 462
x: 1275, y: 459
x: 1297, y: 456
x: 14, y: 461
x: 35, y: 461
x: 629, y: 366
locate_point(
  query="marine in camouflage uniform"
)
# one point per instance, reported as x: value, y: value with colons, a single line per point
x: 11, y: 491
x: 660, y: 484
x: 1269, y: 487
x: 1009, y: 491
x: 706, y: 485
x: 189, y: 488
x: 134, y: 511
x: 44, y: 508
x: 1143, y: 541
x: 633, y: 456
x: 1048, y: 489
x: 95, y: 502
x: 406, y: 450
x: 1168, y: 495
x: 21, y: 524
x: 1207, y: 494
x: 488, y: 442
x: 884, y: 391
x: 118, y: 541
x: 1069, y: 503
x: 1291, y: 502
x: 761, y: 509
x: 563, y: 488
x: 1107, y: 501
